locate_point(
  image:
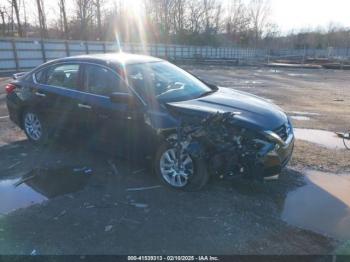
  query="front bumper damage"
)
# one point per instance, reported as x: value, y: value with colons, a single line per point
x: 275, y: 160
x: 230, y: 150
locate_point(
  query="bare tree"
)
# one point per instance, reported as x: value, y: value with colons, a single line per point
x: 16, y: 9
x: 195, y: 16
x: 84, y: 12
x: 178, y: 13
x: 3, y: 21
x: 23, y: 5
x: 259, y: 12
x: 42, y: 18
x: 98, y: 4
x: 160, y: 13
x: 63, y: 15
x: 237, y: 20
x: 212, y: 13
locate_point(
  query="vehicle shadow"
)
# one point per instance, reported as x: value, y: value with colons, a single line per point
x: 21, y: 157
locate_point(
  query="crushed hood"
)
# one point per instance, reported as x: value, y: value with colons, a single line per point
x: 250, y: 109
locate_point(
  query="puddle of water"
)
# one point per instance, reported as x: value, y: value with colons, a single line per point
x: 323, y: 138
x: 298, y: 75
x: 40, y: 185
x: 305, y: 113
x: 13, y: 198
x: 274, y: 71
x: 301, y: 118
x: 252, y: 82
x: 322, y: 205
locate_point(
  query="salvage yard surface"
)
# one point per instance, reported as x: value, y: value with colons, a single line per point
x: 115, y: 207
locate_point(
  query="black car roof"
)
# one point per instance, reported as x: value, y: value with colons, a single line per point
x: 118, y: 59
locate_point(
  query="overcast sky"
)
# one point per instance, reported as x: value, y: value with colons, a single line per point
x: 289, y: 14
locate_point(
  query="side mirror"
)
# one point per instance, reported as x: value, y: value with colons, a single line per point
x: 123, y: 98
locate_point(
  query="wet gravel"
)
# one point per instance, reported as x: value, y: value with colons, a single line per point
x: 104, y: 217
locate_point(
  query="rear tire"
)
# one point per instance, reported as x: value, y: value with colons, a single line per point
x: 193, y: 175
x: 34, y: 127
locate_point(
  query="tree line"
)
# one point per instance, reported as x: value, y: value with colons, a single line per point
x: 194, y: 22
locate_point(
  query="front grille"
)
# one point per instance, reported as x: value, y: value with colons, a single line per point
x: 282, y: 132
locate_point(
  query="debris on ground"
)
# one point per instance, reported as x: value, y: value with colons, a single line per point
x: 345, y: 137
x: 60, y: 215
x: 14, y: 165
x: 33, y: 253
x: 84, y: 170
x: 143, y: 188
x: 108, y: 228
x: 140, y: 205
x: 138, y: 171
x: 114, y: 167
x: 78, y: 169
x: 23, y: 180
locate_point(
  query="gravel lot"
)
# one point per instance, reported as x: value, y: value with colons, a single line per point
x: 106, y: 216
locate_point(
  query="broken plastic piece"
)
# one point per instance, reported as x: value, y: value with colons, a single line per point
x: 143, y: 188
x: 345, y: 136
x: 108, y: 228
x: 14, y: 165
x: 23, y: 180
x: 140, y: 205
x: 113, y: 166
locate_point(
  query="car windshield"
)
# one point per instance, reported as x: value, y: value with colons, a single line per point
x: 165, y: 82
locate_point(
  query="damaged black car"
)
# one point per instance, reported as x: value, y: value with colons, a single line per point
x: 140, y: 105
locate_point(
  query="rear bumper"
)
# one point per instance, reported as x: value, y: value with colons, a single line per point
x: 278, y: 158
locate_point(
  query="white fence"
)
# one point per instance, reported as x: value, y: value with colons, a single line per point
x: 18, y: 54
x: 337, y: 53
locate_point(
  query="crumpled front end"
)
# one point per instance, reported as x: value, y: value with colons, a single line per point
x: 231, y: 150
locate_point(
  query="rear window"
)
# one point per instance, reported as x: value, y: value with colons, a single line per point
x: 61, y: 75
x: 40, y: 76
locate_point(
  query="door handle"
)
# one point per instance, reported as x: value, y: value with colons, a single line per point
x: 84, y: 106
x: 40, y: 94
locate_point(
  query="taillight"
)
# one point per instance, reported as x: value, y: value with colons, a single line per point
x: 10, y: 88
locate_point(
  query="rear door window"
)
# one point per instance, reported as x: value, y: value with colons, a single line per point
x: 102, y: 81
x: 66, y: 75
x: 41, y: 76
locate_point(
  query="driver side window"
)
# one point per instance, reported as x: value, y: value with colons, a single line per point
x: 102, y: 81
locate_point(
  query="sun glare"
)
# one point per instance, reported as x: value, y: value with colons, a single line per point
x: 134, y: 8
x: 134, y: 28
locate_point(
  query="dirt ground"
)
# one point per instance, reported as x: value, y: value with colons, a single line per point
x: 229, y: 217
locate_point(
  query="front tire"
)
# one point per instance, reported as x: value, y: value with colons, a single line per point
x: 34, y: 127
x: 189, y: 175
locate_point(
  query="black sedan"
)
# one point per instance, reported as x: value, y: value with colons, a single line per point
x: 147, y: 106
